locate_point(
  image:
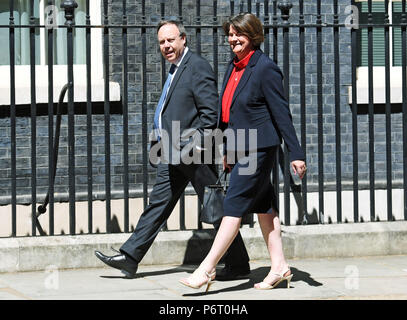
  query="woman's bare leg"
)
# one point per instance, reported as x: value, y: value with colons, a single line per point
x: 271, y: 230
x: 228, y: 230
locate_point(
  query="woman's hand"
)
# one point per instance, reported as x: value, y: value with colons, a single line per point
x: 226, y: 166
x: 299, y: 168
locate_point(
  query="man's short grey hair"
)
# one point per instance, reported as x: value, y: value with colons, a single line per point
x: 180, y: 26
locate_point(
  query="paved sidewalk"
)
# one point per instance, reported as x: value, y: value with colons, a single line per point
x: 374, y: 277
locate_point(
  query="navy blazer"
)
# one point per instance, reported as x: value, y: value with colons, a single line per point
x: 259, y: 103
x: 190, y: 107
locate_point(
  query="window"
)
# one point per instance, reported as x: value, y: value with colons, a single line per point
x: 60, y: 44
x: 397, y: 11
x: 378, y: 14
x: 395, y: 54
x: 22, y: 14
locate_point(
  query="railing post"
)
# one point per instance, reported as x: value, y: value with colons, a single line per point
x: 51, y: 150
x: 144, y: 101
x: 304, y: 219
x: 69, y: 6
x: 371, y: 111
x: 285, y: 8
x: 404, y: 95
x: 338, y: 143
x: 320, y: 110
x: 33, y: 111
x: 355, y: 124
x: 266, y: 28
x: 182, y: 198
x: 163, y: 75
x: 125, y: 83
x: 106, y: 109
x: 388, y: 112
x: 13, y: 136
x: 89, y: 143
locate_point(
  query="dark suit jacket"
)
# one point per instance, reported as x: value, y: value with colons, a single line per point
x: 259, y: 103
x: 191, y: 102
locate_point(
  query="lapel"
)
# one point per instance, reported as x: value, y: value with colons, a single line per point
x: 180, y: 70
x: 246, y: 74
x: 226, y: 79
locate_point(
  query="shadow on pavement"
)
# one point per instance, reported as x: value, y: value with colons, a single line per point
x: 188, y: 268
x: 257, y: 275
x: 149, y: 273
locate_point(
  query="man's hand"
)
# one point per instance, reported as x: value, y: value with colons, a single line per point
x: 299, y: 168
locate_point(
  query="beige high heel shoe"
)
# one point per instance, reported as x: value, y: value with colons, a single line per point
x: 286, y: 275
x: 209, y: 281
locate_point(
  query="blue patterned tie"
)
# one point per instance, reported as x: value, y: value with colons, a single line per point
x: 160, y: 104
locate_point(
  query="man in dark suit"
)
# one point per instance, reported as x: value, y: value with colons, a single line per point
x: 188, y: 104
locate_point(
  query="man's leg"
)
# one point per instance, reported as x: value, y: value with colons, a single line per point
x: 169, y: 185
x: 236, y: 257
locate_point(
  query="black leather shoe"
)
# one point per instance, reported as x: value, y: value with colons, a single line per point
x: 122, y: 262
x: 233, y: 273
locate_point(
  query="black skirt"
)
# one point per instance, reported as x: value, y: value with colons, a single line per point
x: 250, y: 189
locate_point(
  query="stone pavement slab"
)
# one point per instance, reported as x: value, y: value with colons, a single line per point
x: 373, y: 277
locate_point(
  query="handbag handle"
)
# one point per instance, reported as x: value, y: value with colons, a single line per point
x: 218, y: 182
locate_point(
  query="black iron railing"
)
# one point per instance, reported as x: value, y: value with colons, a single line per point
x: 279, y: 30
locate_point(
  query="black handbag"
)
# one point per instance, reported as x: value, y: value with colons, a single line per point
x: 214, y: 195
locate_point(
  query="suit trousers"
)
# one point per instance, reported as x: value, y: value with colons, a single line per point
x: 171, y: 181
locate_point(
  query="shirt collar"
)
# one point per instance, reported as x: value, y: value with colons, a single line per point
x: 178, y: 62
x: 244, y: 62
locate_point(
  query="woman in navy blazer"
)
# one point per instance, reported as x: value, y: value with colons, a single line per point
x: 256, y: 116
